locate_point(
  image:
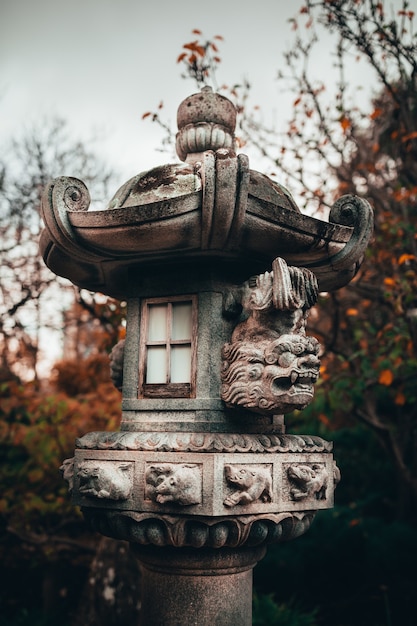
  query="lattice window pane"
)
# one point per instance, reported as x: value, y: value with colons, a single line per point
x: 181, y: 321
x: 157, y: 322
x: 156, y: 370
x: 181, y: 364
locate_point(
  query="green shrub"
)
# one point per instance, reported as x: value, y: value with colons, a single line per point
x: 266, y: 612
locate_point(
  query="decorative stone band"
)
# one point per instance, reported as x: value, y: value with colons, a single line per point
x: 220, y: 484
x: 197, y: 138
x: 202, y: 442
x: 199, y: 532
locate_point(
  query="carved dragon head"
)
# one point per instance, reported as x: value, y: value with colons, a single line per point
x: 270, y: 365
x: 271, y: 377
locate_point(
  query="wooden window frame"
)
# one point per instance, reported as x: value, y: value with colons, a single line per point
x: 168, y: 389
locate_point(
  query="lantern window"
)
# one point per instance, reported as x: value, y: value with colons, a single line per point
x: 168, y: 347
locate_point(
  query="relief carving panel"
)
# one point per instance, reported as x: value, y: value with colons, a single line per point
x: 247, y: 484
x: 307, y: 481
x: 105, y: 479
x: 176, y: 483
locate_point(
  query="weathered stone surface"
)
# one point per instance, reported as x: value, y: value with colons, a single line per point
x: 201, y: 476
x: 108, y: 481
x: 248, y: 483
x: 212, y: 206
x: 190, y: 580
x: 175, y: 483
x: 201, y: 442
x: 181, y: 531
x: 270, y: 365
x: 196, y: 226
x: 203, y: 483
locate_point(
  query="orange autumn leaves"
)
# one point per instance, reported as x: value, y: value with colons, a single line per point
x: 194, y: 52
x: 386, y: 378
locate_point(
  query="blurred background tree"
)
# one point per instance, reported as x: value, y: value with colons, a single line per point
x: 366, y: 397
x: 45, y: 547
x: 32, y: 299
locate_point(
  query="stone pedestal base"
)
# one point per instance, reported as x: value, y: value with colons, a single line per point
x: 197, y: 587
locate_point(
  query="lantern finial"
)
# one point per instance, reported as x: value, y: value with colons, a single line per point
x: 206, y: 121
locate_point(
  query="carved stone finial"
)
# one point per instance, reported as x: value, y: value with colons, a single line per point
x: 206, y: 121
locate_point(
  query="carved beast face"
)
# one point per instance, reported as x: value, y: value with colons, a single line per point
x: 303, y: 474
x: 104, y: 479
x: 271, y: 376
x: 173, y: 482
x: 238, y: 475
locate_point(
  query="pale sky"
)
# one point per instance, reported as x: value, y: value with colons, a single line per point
x: 100, y: 64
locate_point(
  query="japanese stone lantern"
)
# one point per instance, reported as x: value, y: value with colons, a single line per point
x: 219, y: 269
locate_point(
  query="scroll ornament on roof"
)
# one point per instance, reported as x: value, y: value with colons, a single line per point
x: 209, y: 206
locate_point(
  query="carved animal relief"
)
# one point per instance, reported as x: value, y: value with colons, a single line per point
x: 307, y: 481
x: 270, y: 365
x: 248, y: 483
x: 105, y: 479
x: 67, y: 471
x: 176, y: 483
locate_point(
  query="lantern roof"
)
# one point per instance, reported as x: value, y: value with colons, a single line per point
x: 209, y: 206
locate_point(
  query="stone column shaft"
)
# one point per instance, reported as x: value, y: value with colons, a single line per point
x: 204, y: 587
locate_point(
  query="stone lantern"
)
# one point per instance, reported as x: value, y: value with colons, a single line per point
x: 219, y: 269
